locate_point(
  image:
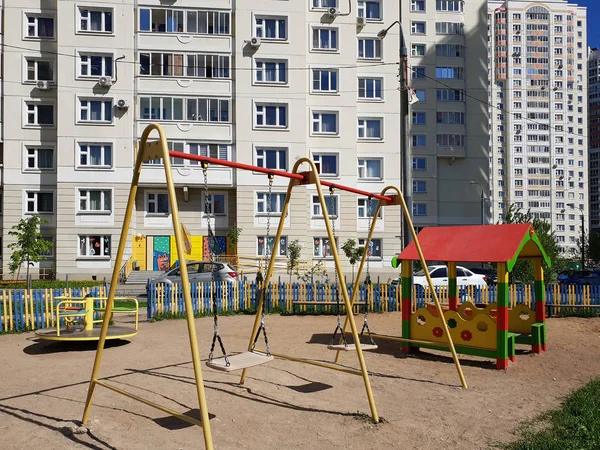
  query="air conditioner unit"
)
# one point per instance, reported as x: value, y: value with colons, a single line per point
x: 560, y: 66
x: 543, y: 88
x: 555, y: 88
x: 254, y: 42
x: 360, y: 21
x: 122, y: 104
x: 43, y: 85
x: 516, y: 54
x: 332, y: 11
x: 518, y: 32
x: 105, y: 81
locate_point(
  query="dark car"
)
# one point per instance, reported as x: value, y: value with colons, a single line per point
x: 580, y: 277
x: 491, y: 275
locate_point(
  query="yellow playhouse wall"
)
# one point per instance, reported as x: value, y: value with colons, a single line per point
x: 196, y: 249
x: 138, y: 252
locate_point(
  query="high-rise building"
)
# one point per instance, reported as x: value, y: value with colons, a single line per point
x: 538, y: 112
x: 594, y: 135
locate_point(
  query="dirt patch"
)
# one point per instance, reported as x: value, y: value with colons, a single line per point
x: 283, y: 404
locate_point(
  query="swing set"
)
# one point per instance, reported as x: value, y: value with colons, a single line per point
x: 152, y: 150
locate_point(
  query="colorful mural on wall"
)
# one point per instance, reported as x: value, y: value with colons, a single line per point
x: 161, y: 254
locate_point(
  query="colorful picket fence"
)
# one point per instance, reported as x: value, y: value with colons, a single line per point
x: 22, y: 310
x: 167, y: 299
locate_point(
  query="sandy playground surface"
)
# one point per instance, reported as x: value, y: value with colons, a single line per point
x: 284, y: 405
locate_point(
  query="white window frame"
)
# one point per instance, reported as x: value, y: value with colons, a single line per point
x: 374, y: 241
x: 32, y: 196
x: 377, y: 49
x: 364, y: 81
x: 315, y: 203
x: 416, y: 183
x: 413, y: 27
x: 31, y: 153
x: 31, y: 107
x: 35, y: 16
x: 103, y: 148
x: 415, y: 212
x: 154, y: 200
x: 328, y: 74
x: 321, y: 244
x: 256, y: 113
x: 282, y: 249
x: 318, y: 120
x: 80, y: 20
x: 362, y: 126
x: 362, y: 8
x: 36, y: 60
x: 279, y: 71
x: 277, y: 201
x: 212, y: 196
x: 362, y: 168
x: 259, y: 30
x: 105, y: 103
x: 364, y: 212
x: 413, y: 4
x: 416, y: 46
x: 88, y: 64
x: 84, y: 196
x: 316, y: 157
x: 316, y: 39
x: 261, y: 160
x: 85, y: 239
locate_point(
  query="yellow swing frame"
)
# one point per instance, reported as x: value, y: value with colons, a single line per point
x: 151, y: 150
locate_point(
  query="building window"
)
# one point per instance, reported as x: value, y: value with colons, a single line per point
x: 322, y: 4
x: 270, y: 28
x: 97, y: 156
x: 95, y: 65
x: 370, y: 88
x: 369, y: 48
x: 419, y: 118
x: 39, y: 158
x: 322, y: 247
x: 95, y: 200
x: 450, y: 140
x: 370, y: 129
x: 325, y: 80
x: 95, y: 20
x: 419, y: 163
x: 325, y: 39
x: 273, y: 71
x: 39, y: 114
x: 157, y: 203
x: 375, y: 248
x: 270, y: 116
x: 260, y: 246
x: 40, y: 202
x: 277, y: 200
x: 455, y: 73
x: 417, y: 27
x: 418, y: 49
x: 184, y: 65
x: 215, y: 205
x: 450, y: 117
x: 449, y: 5
x: 158, y: 20
x: 365, y: 211
x: 420, y: 94
x: 40, y: 27
x: 196, y: 109
x: 419, y: 187
x: 449, y: 50
x: 418, y: 73
x: 419, y: 209
x: 417, y: 5
x: 98, y: 111
x: 325, y: 123
x: 419, y: 140
x: 331, y: 203
x: 272, y: 158
x: 94, y: 246
x: 369, y: 9
x: 39, y: 69
x: 327, y: 164
x: 370, y: 168
x: 449, y: 28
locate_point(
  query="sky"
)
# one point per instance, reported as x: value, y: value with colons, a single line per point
x: 593, y: 16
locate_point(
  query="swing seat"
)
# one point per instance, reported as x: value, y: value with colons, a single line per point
x: 351, y: 347
x: 239, y: 361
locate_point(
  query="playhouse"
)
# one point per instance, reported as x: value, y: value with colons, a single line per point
x: 491, y: 331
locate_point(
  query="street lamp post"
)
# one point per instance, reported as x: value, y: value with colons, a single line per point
x: 482, y: 201
x: 406, y: 156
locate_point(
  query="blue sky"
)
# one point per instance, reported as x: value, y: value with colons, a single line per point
x: 593, y: 16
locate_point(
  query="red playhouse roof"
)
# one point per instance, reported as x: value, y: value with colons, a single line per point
x: 477, y: 243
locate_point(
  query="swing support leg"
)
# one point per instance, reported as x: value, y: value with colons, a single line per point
x: 349, y: 317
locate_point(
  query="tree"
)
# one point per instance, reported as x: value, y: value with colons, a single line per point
x: 293, y: 261
x: 30, y: 244
x: 234, y: 236
x: 523, y: 270
x: 353, y: 253
x: 593, y: 248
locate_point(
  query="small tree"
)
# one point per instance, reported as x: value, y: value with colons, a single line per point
x: 293, y: 261
x: 353, y: 253
x: 29, y: 245
x: 234, y: 236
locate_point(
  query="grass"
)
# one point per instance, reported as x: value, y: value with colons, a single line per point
x: 576, y: 426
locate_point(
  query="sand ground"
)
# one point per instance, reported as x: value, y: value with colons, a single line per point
x: 283, y: 404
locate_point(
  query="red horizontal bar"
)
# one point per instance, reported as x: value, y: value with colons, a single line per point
x: 279, y: 173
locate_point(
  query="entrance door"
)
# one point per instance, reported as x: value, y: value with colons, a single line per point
x: 161, y: 253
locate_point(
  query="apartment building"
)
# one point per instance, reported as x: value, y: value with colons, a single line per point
x: 448, y: 127
x: 538, y: 111
x: 594, y: 135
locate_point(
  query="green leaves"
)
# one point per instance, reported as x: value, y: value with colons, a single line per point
x: 30, y: 244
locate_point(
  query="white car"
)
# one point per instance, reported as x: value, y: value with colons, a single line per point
x: 439, y: 276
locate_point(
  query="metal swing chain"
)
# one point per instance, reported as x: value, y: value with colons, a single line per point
x: 211, y: 243
x: 262, y: 326
x: 366, y: 321
x: 337, y: 290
